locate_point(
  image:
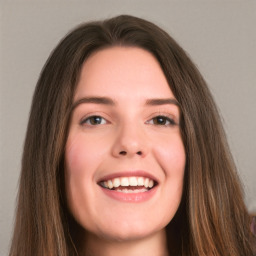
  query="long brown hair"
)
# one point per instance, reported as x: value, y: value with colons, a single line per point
x: 212, y: 218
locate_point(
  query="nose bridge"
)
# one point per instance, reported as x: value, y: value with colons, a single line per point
x: 130, y: 140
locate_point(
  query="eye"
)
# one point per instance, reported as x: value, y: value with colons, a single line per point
x: 161, y: 120
x: 94, y: 120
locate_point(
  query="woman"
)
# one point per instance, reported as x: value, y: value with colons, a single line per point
x: 125, y: 152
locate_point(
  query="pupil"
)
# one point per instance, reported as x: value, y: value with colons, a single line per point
x: 160, y: 120
x: 96, y: 120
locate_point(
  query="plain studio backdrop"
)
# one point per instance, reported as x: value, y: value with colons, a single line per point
x: 219, y: 36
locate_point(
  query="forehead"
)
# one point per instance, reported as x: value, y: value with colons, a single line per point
x: 122, y: 70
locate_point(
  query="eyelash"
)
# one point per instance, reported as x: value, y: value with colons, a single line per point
x: 90, y: 118
x: 164, y: 120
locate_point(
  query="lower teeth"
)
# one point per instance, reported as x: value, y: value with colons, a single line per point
x: 125, y: 190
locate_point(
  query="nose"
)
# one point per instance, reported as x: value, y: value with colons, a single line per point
x: 130, y: 141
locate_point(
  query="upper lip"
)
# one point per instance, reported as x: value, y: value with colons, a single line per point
x: 137, y: 173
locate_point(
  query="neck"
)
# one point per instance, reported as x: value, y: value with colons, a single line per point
x: 154, y: 245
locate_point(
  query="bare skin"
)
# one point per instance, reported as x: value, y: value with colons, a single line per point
x: 124, y: 127
x: 150, y: 246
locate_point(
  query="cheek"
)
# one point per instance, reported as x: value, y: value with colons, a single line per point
x: 171, y: 157
x: 81, y: 156
x: 80, y: 164
x: 170, y: 154
x: 73, y: 156
x: 82, y: 159
x: 76, y: 176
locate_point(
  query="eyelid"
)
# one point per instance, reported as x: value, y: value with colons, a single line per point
x: 168, y: 121
x: 90, y: 115
x: 172, y: 118
x: 91, y: 124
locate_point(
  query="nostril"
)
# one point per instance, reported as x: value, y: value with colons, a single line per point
x: 124, y: 153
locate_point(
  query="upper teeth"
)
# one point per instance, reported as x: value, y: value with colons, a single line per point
x: 128, y: 181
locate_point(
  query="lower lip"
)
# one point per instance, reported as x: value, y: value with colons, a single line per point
x: 130, y: 197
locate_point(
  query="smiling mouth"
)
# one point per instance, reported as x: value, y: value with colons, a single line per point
x: 129, y: 184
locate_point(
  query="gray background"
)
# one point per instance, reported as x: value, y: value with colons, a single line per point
x: 220, y: 36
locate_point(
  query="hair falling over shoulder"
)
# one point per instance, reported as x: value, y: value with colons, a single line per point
x: 212, y: 219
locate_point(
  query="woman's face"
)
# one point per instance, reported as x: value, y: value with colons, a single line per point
x: 124, y: 155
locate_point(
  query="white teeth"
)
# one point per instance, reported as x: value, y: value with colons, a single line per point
x: 133, y: 181
x: 110, y: 184
x: 146, y: 182
x: 125, y: 182
x: 116, y: 182
x: 127, y: 191
x: 140, y: 181
x: 151, y: 183
x: 128, y: 181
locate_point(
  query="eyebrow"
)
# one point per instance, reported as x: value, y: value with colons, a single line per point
x: 110, y: 102
x: 157, y: 102
x: 95, y: 100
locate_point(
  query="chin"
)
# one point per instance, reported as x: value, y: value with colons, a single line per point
x: 127, y: 231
